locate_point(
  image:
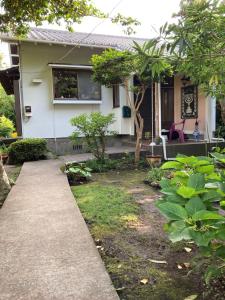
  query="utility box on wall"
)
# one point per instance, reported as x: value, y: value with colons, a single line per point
x: 126, y: 112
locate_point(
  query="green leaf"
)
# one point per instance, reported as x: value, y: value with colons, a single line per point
x: 169, y: 191
x: 165, y: 183
x: 205, y: 169
x: 211, y: 196
x: 183, y: 174
x: 176, y: 199
x: 179, y: 232
x: 187, y: 160
x: 172, y: 211
x: 171, y: 165
x: 202, y: 239
x: 196, y: 181
x: 206, y: 215
x: 186, y: 192
x: 193, y: 205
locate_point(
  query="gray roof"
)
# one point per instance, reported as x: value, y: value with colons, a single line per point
x: 76, y: 38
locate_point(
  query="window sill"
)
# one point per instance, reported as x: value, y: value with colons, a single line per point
x: 68, y: 101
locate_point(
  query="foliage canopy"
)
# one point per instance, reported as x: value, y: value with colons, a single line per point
x: 16, y: 16
x: 196, y: 40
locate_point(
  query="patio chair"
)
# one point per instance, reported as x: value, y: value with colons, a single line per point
x: 177, y: 133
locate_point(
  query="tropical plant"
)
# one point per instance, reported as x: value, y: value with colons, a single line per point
x: 192, y: 203
x: 146, y: 63
x: 95, y: 128
x: 6, y: 127
x: 77, y: 172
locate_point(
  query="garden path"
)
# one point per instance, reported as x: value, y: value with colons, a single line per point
x: 46, y: 249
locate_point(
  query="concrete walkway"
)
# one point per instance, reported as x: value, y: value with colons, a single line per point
x: 46, y: 251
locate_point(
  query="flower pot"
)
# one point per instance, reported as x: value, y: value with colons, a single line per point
x: 154, y: 160
x: 4, y: 158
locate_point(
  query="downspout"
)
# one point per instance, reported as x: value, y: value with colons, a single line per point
x: 160, y: 122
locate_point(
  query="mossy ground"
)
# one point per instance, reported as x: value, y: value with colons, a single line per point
x: 13, y: 171
x: 127, y: 228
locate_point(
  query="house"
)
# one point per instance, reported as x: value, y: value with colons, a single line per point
x: 55, y: 84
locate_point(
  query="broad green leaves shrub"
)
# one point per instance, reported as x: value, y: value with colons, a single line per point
x: 6, y: 127
x: 77, y: 172
x: 94, y: 127
x: 27, y: 150
x: 193, y: 202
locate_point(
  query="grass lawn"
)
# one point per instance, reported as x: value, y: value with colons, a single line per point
x: 127, y: 228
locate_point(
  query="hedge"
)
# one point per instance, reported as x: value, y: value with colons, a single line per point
x: 27, y: 150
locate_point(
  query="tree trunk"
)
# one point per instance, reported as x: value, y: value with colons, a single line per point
x: 4, y: 184
x: 222, y: 107
x: 139, y: 125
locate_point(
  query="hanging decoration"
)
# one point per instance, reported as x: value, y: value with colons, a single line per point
x: 189, y: 102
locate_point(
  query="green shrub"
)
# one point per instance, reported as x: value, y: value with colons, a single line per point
x: 27, y: 150
x: 6, y: 127
x: 94, y: 127
x: 193, y: 203
x: 3, y: 150
x: 77, y: 172
x: 99, y: 166
x: 7, y: 105
x: 155, y: 175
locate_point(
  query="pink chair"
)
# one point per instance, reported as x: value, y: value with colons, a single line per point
x: 178, y: 131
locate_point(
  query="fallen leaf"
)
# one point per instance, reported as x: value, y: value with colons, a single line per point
x: 98, y: 247
x: 192, y: 297
x: 119, y: 266
x: 120, y: 289
x: 187, y: 265
x: 179, y: 267
x: 187, y: 249
x: 158, y: 261
x: 144, y: 281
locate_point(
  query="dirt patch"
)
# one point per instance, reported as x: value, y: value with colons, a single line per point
x: 143, y: 251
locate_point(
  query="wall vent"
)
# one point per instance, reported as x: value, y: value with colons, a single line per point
x: 77, y: 147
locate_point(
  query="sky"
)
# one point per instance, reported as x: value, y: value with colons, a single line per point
x: 151, y: 13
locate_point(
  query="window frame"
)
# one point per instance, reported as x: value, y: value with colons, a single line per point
x: 73, y: 100
x: 116, y: 95
x: 14, y: 55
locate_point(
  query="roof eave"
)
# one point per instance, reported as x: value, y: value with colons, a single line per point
x: 11, y: 39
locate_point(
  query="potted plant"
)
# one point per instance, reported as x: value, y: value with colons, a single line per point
x: 3, y: 154
x: 154, y: 160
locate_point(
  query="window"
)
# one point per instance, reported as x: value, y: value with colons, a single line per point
x: 75, y: 84
x: 14, y: 54
x: 116, y: 96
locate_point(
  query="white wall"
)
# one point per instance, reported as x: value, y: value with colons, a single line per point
x: 50, y: 120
